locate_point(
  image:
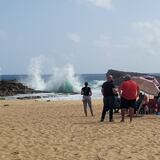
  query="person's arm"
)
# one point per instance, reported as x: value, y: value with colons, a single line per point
x: 102, y: 91
x: 138, y: 91
x: 82, y: 92
x: 90, y: 92
x: 120, y: 90
x: 145, y: 99
x: 114, y: 89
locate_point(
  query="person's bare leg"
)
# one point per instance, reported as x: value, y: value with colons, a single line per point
x: 85, y: 107
x: 139, y: 108
x: 126, y: 111
x: 131, y: 112
x: 123, y: 110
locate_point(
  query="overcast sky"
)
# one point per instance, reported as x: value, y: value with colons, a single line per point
x: 93, y: 35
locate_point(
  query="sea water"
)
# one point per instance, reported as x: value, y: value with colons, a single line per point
x: 56, y: 86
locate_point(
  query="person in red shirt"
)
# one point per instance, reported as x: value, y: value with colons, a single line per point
x: 129, y: 91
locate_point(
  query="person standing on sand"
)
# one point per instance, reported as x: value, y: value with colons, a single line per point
x: 108, y: 92
x: 129, y: 91
x: 87, y: 93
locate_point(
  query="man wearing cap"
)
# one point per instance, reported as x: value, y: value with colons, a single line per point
x: 108, y: 92
x: 129, y: 91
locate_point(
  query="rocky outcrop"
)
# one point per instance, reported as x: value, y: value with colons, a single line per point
x: 12, y: 87
x: 118, y: 75
x: 29, y: 97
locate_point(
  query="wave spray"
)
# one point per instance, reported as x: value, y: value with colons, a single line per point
x: 62, y: 80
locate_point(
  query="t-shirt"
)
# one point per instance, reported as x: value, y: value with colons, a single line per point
x: 108, y: 89
x: 129, y: 89
x: 86, y: 91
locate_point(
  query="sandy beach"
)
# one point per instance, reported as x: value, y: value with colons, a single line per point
x: 58, y: 130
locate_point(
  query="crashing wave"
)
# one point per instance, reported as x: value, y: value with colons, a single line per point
x: 62, y: 80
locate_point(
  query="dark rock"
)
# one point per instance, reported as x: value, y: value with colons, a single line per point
x: 118, y: 75
x: 2, y: 98
x: 12, y: 87
x: 29, y: 97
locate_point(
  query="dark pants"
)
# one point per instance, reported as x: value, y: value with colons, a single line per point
x: 108, y: 105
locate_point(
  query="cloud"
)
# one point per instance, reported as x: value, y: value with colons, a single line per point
x: 105, y: 4
x: 74, y: 37
x: 106, y: 42
x: 143, y: 39
x: 148, y: 36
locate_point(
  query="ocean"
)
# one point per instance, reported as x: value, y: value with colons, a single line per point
x: 59, y: 86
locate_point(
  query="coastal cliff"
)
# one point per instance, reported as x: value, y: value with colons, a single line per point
x: 118, y: 75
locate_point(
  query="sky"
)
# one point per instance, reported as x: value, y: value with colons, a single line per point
x: 92, y: 35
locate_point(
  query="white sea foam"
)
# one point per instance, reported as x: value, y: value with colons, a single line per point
x: 62, y: 79
x: 35, y: 80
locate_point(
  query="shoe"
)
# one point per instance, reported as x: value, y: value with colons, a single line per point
x: 111, y: 120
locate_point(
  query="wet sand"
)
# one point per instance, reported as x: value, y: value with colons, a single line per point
x: 58, y: 130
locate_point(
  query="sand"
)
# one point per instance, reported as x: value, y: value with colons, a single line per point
x: 35, y: 130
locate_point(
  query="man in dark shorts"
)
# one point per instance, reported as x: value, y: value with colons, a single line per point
x: 87, y: 93
x: 108, y: 92
x: 129, y: 91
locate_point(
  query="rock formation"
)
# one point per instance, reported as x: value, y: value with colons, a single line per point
x: 118, y: 75
x: 12, y: 87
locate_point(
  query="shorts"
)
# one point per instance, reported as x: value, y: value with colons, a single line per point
x: 125, y: 103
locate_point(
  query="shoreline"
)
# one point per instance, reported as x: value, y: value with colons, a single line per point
x: 50, y: 96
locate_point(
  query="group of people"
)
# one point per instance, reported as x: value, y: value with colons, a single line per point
x: 144, y: 105
x: 128, y: 91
